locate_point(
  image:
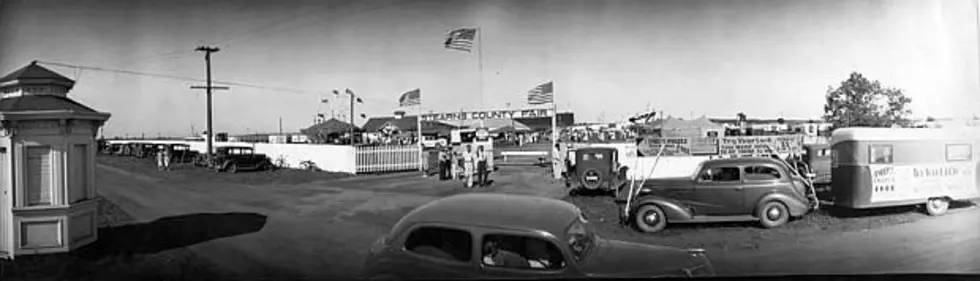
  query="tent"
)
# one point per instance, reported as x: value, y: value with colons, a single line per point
x: 321, y: 132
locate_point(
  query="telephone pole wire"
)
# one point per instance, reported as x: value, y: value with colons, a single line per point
x: 207, y: 59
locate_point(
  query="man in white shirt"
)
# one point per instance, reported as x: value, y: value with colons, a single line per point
x: 557, y: 161
x: 468, y: 165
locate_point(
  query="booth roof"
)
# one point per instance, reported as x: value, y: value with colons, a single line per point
x: 33, y: 71
x: 42, y: 103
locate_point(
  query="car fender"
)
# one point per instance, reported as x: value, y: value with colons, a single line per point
x: 225, y: 164
x: 673, y: 210
x: 795, y: 206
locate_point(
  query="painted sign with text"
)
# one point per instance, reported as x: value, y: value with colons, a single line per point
x: 671, y: 146
x: 909, y: 182
x: 488, y: 114
x: 756, y: 145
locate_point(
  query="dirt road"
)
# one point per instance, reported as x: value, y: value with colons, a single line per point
x: 319, y: 229
x: 314, y: 230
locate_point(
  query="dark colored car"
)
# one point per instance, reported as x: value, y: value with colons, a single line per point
x: 818, y: 158
x: 114, y: 149
x: 735, y: 189
x: 484, y: 235
x: 143, y: 150
x: 595, y: 168
x: 179, y: 152
x: 237, y: 158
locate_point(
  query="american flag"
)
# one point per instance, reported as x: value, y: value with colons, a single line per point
x: 541, y: 94
x: 410, y: 98
x: 461, y: 39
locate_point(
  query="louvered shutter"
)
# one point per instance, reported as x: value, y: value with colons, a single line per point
x: 38, y: 185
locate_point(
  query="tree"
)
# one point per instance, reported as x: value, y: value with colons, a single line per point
x: 861, y: 102
x: 930, y: 119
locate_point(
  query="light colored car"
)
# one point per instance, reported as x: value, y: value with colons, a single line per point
x: 483, y: 235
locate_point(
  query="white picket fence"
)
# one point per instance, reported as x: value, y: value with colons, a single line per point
x: 388, y: 158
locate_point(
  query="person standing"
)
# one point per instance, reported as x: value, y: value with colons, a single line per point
x: 159, y: 156
x: 468, y: 165
x: 481, y: 166
x: 443, y: 163
x: 557, y: 161
x: 167, y: 152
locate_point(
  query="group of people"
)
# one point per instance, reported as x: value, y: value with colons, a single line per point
x: 163, y: 158
x: 472, y: 160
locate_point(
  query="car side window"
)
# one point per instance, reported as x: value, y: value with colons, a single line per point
x: 441, y: 243
x: 761, y: 173
x: 720, y: 174
x: 597, y: 156
x: 521, y: 252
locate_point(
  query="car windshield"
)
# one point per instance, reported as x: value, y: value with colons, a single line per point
x: 581, y: 239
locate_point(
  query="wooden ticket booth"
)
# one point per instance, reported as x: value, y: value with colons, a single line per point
x: 47, y: 165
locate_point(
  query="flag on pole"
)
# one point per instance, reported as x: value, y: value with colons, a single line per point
x: 541, y: 94
x: 410, y: 98
x: 461, y: 39
x: 323, y: 100
x: 335, y: 92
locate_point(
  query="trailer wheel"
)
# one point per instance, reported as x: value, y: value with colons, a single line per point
x: 937, y: 206
x: 649, y: 218
x: 773, y: 214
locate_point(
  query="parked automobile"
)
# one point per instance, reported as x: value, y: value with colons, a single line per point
x: 143, y: 149
x: 114, y: 149
x: 595, y: 168
x: 182, y: 153
x: 484, y: 235
x: 237, y: 158
x: 733, y: 189
x: 818, y: 158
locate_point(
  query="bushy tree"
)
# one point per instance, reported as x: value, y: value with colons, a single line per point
x: 861, y: 102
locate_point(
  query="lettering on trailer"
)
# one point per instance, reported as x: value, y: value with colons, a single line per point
x: 908, y: 182
x: 488, y: 114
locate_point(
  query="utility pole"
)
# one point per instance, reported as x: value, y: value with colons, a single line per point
x: 207, y: 60
x: 351, y: 127
x: 280, y: 125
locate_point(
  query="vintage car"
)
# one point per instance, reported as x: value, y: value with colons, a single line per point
x: 818, y: 158
x: 595, y: 168
x: 179, y: 152
x: 732, y: 189
x: 114, y: 149
x: 143, y: 149
x: 461, y: 237
x: 237, y: 158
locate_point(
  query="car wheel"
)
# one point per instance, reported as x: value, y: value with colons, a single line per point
x: 773, y: 214
x: 937, y: 206
x: 232, y: 168
x: 573, y: 192
x: 649, y: 218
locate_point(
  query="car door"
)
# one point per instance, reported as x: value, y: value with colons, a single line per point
x: 759, y: 180
x: 718, y: 191
x: 435, y: 252
x: 505, y: 254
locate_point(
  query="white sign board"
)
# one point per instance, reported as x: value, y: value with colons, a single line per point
x: 908, y: 182
x: 488, y: 114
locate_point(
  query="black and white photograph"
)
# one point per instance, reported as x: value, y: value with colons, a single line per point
x: 489, y: 139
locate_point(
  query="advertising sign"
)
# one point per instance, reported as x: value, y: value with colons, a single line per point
x: 752, y: 145
x: 673, y: 146
x: 907, y: 182
x: 488, y: 114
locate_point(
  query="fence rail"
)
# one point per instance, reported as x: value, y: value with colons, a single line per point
x: 389, y: 158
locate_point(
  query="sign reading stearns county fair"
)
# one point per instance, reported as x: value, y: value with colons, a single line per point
x: 488, y: 114
x: 907, y: 182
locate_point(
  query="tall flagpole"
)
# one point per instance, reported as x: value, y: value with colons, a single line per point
x: 479, y: 39
x: 554, y: 126
x: 418, y: 129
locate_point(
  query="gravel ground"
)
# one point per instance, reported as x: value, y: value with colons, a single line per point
x: 745, y: 235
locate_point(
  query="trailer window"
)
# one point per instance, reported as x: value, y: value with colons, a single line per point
x: 881, y: 154
x: 959, y: 152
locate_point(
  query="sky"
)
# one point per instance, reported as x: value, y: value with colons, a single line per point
x: 608, y: 59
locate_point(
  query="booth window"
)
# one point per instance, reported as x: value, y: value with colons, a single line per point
x: 959, y: 152
x: 78, y: 157
x: 881, y: 154
x: 38, y: 185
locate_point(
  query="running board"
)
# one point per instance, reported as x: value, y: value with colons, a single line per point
x: 701, y: 219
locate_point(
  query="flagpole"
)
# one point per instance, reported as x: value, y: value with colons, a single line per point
x: 479, y: 39
x: 554, y: 126
x: 418, y: 129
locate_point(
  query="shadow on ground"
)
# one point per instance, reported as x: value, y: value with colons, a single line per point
x: 171, y: 233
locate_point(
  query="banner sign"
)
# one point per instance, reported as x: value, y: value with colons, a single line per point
x: 753, y: 145
x: 673, y: 146
x: 488, y: 114
x: 908, y: 182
